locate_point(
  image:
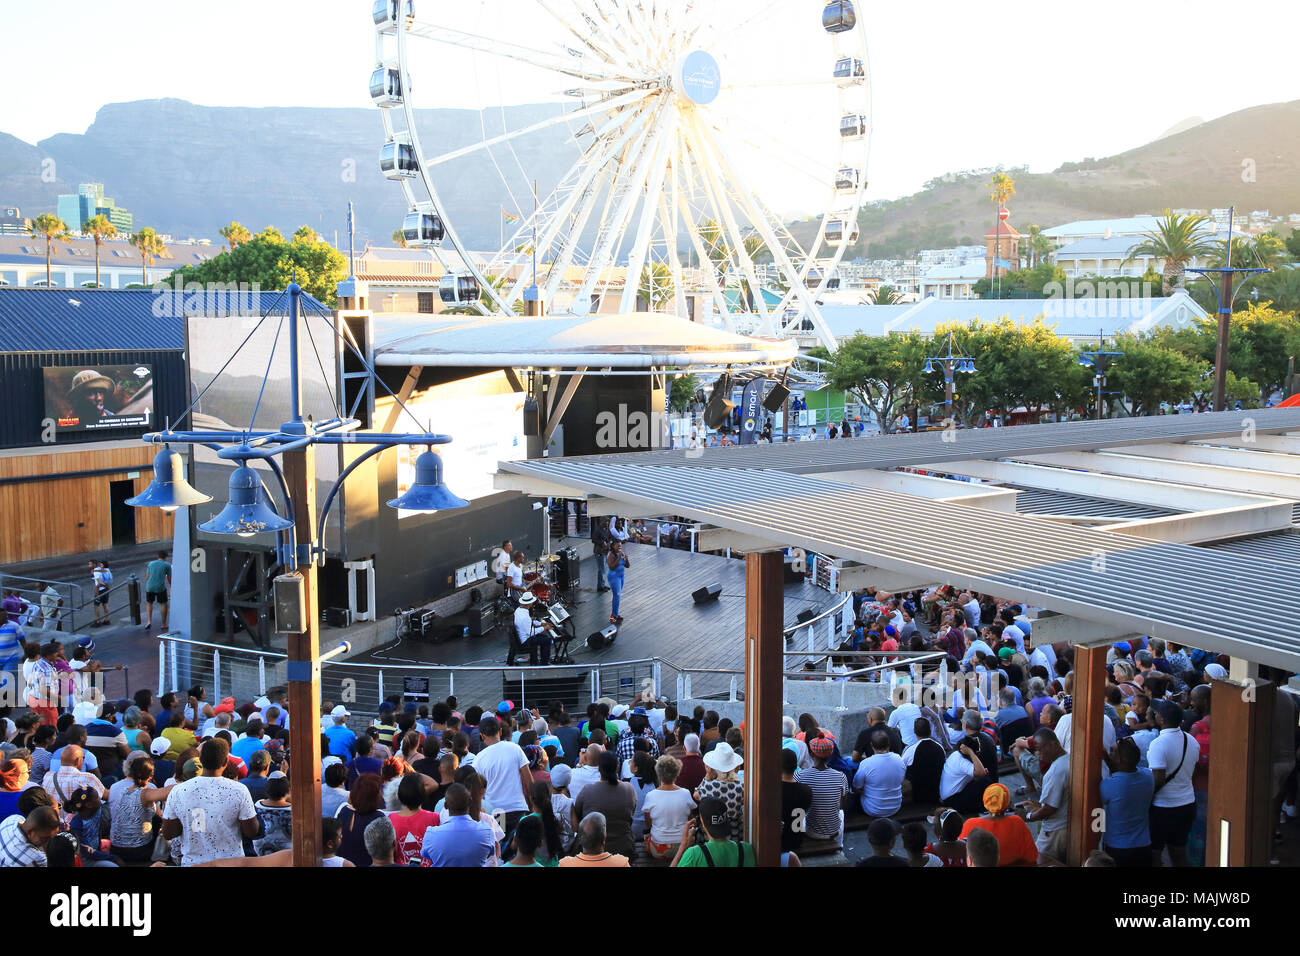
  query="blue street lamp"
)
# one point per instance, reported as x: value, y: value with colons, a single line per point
x: 1101, y: 360
x: 299, y: 545
x: 950, y: 364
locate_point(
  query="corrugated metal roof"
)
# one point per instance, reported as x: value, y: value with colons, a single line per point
x: 1152, y: 588
x: 90, y: 320
x: 1068, y: 316
x: 1281, y: 546
x: 913, y: 450
x: 80, y: 252
x: 1038, y: 501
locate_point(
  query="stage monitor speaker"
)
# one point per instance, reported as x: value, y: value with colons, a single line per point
x: 532, y: 418
x: 806, y: 615
x: 336, y: 616
x: 710, y: 592
x: 478, y: 619
x: 602, y: 639
x: 776, y: 397
x: 566, y: 572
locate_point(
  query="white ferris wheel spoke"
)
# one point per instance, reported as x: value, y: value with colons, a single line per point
x: 552, y: 62
x: 706, y: 264
x: 623, y: 194
x: 797, y: 287
x: 718, y: 196
x: 604, y: 106
x: 654, y: 187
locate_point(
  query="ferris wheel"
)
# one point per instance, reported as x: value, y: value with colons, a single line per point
x: 719, y: 152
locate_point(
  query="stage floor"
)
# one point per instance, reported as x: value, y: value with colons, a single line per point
x: 659, y: 620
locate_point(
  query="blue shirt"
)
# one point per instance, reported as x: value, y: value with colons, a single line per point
x: 1126, y: 798
x: 341, y: 740
x: 1006, y: 715
x: 458, y: 842
x: 245, y: 747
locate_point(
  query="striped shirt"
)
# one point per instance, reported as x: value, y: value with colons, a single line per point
x: 828, y: 790
x: 15, y: 850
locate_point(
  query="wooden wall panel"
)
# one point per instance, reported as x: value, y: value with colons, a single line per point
x: 41, y: 519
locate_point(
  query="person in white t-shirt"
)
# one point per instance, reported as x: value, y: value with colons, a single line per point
x: 903, y: 717
x: 1052, y: 808
x: 1064, y: 733
x: 515, y: 576
x: 588, y: 771
x: 666, y: 810
x: 505, y: 767
x: 879, y: 780
x: 501, y: 563
x: 1172, y: 757
x: 211, y: 814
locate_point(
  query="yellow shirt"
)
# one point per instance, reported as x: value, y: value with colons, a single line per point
x: 180, y: 740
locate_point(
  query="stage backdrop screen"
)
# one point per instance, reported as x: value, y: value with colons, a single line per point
x: 91, y: 399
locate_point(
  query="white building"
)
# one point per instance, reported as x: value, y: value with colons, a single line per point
x: 953, y: 281
x: 72, y: 262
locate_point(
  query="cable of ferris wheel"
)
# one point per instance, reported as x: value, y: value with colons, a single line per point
x: 640, y: 243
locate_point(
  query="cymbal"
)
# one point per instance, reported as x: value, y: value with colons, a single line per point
x: 549, y: 557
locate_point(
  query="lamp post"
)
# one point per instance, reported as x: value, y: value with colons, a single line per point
x: 950, y: 364
x: 299, y: 542
x: 1100, y: 360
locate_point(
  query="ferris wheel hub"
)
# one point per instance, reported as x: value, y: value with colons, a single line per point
x: 697, y: 77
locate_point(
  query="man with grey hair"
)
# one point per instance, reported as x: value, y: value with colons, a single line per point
x: 591, y: 837
x: 693, y: 763
x: 381, y: 842
x: 788, y: 729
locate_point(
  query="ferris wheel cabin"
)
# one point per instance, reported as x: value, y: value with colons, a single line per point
x: 422, y: 227
x: 850, y: 71
x: 841, y: 233
x: 397, y: 160
x: 456, y: 289
x: 839, y: 16
x: 848, y: 179
x: 386, y: 87
x: 853, y: 126
x: 387, y: 12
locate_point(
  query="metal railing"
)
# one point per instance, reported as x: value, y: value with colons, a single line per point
x: 73, y: 611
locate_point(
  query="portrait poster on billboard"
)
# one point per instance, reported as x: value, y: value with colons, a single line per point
x: 105, y: 397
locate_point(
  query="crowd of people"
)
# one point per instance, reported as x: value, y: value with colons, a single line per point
x: 973, y: 771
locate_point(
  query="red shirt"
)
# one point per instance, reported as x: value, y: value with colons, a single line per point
x: 410, y: 834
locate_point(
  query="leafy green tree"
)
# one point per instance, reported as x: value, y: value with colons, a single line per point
x: 234, y: 234
x: 1022, y: 284
x: 1282, y: 288
x: 1150, y: 374
x: 98, y: 228
x: 886, y: 295
x: 1177, y: 240
x: 268, y: 262
x: 305, y: 233
x: 682, y: 392
x: 49, y: 227
x: 656, y: 287
x: 150, y: 246
x: 883, y: 372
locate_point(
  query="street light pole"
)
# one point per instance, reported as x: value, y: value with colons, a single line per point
x: 300, y: 540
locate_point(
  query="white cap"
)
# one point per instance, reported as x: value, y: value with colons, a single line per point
x: 618, y: 710
x: 340, y: 711
x: 85, y: 712
x: 159, y: 746
x: 262, y: 702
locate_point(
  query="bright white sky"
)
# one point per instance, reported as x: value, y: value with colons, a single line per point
x: 955, y: 84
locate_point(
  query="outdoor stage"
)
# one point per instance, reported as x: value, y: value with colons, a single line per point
x: 659, y: 620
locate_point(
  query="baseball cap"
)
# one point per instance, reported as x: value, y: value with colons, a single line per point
x: 1171, y: 712
x: 618, y: 710
x: 639, y: 710
x: 891, y: 631
x: 88, y: 643
x: 1123, y: 646
x: 713, y: 812
x: 340, y: 711
x: 1005, y: 653
x: 227, y: 706
x: 85, y: 712
x: 160, y: 746
x: 821, y: 747
x: 560, y: 776
x: 262, y: 702
x: 386, y: 707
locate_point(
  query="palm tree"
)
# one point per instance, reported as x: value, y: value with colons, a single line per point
x: 715, y: 245
x: 1037, y: 245
x: 1001, y: 188
x: 235, y: 234
x: 98, y: 228
x: 1177, y: 240
x: 656, y: 287
x: 149, y: 245
x: 886, y: 295
x: 49, y: 227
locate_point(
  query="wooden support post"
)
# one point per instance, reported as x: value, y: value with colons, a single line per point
x: 1085, y: 752
x: 303, y: 672
x: 1239, y: 817
x: 764, y: 620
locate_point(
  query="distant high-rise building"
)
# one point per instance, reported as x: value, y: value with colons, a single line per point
x: 89, y: 201
x: 12, y: 222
